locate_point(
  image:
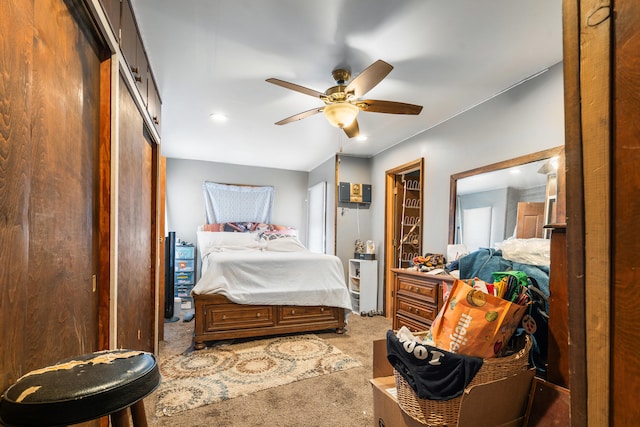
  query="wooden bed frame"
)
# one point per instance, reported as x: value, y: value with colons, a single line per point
x: 217, y: 318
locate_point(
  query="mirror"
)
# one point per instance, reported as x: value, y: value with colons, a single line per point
x: 513, y: 198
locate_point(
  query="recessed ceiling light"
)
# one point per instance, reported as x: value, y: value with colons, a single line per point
x: 218, y: 117
x: 361, y: 138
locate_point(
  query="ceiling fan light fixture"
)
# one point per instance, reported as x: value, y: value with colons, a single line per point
x: 341, y: 114
x: 218, y: 117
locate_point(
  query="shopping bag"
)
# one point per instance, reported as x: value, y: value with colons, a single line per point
x: 475, y: 323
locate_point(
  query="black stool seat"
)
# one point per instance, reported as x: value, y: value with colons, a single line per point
x: 80, y: 389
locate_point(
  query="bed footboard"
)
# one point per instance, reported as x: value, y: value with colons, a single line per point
x: 217, y: 318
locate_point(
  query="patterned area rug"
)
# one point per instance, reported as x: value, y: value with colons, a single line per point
x: 211, y: 375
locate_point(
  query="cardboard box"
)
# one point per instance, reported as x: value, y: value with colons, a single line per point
x: 500, y: 403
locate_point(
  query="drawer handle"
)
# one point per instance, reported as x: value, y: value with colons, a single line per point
x: 410, y: 288
x: 257, y: 314
x: 224, y: 317
x: 321, y: 309
x: 293, y: 312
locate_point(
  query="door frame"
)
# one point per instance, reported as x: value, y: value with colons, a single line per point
x: 391, y: 206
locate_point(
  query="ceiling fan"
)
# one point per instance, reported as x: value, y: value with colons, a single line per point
x: 343, y: 102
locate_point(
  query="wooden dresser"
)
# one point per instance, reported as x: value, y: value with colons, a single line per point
x: 417, y: 298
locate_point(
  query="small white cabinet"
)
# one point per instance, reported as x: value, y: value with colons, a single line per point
x: 363, y: 285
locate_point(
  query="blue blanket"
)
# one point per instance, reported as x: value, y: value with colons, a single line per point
x: 483, y: 262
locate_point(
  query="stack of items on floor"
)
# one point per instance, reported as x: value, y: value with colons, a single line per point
x: 470, y: 367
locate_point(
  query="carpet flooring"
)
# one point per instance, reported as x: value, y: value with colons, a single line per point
x: 227, y: 371
x: 339, y: 399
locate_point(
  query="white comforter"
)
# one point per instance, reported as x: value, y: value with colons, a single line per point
x: 279, y: 272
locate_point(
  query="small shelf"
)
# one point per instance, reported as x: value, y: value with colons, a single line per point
x: 363, y: 285
x: 184, y: 273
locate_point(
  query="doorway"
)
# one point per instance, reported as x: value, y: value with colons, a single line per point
x: 317, y: 218
x: 404, y: 195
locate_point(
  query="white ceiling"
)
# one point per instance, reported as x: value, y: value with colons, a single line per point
x: 212, y: 56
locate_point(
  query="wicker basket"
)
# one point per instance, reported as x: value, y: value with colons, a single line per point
x: 435, y: 413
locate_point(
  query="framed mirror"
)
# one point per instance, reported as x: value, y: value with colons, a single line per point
x: 514, y: 198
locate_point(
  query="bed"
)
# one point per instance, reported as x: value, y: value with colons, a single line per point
x: 259, y: 280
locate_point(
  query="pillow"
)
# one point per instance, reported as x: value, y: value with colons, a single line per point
x: 238, y: 227
x: 208, y: 240
x: 290, y: 244
x: 283, y: 229
x: 244, y: 227
x: 275, y: 235
x: 278, y: 232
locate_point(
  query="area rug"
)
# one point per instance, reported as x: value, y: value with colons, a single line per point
x: 215, y: 374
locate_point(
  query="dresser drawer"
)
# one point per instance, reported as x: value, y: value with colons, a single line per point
x: 416, y: 288
x: 223, y: 317
x: 412, y: 308
x: 294, y: 314
x: 400, y: 321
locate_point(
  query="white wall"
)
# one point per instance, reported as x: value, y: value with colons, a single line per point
x: 526, y: 119
x: 185, y: 200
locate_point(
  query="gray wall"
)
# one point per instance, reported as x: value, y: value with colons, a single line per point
x: 353, y: 220
x: 185, y: 200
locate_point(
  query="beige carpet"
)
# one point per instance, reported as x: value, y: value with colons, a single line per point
x: 343, y: 399
x: 226, y: 371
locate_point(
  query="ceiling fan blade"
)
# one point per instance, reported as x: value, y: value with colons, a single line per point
x: 353, y: 129
x: 369, y: 78
x: 300, y: 116
x: 390, y: 107
x: 296, y: 87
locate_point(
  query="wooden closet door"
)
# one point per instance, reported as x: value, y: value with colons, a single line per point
x: 625, y: 264
x: 136, y: 219
x: 49, y: 183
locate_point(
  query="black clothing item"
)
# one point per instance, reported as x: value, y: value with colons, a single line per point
x: 431, y: 372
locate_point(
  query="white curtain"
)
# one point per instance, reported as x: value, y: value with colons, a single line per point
x: 237, y: 203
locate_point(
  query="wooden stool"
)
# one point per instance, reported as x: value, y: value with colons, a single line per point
x: 83, y: 388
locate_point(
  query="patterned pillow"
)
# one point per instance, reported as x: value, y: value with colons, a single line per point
x: 274, y: 235
x: 283, y: 229
x: 247, y: 227
x: 237, y: 227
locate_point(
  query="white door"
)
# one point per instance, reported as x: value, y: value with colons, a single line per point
x: 317, y: 217
x: 476, y: 228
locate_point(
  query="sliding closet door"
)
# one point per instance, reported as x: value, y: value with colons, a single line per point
x: 49, y: 183
x: 136, y: 237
